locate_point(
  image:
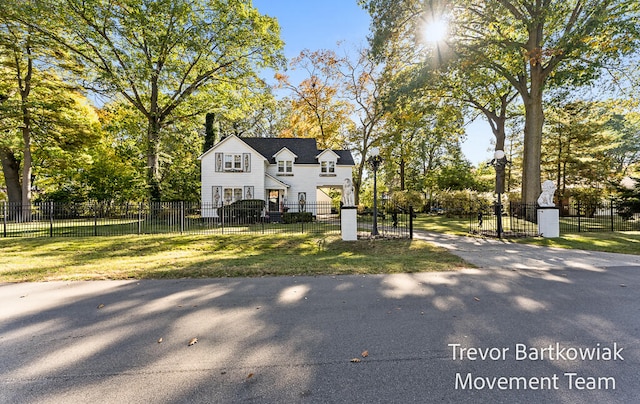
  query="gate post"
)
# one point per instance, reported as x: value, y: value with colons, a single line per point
x: 349, y: 223
x: 411, y: 222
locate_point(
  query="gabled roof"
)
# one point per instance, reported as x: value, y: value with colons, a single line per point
x: 221, y: 142
x: 306, y: 149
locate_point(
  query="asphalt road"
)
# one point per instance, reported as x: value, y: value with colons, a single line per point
x: 293, y: 339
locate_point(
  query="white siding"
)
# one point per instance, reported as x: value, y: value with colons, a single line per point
x: 211, y: 178
x: 304, y: 177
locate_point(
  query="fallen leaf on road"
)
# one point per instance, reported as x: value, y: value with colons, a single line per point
x: 193, y: 341
x: 356, y: 360
x: 160, y: 341
x: 476, y: 299
x: 622, y: 285
x: 250, y: 375
x: 365, y: 354
x: 100, y: 305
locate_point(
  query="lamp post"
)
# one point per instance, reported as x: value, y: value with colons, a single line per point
x: 375, y: 160
x: 499, y: 162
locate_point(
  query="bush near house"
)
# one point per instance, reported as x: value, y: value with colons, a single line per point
x: 297, y: 217
x: 243, y: 211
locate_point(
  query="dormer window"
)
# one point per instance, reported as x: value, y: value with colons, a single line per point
x: 328, y: 167
x: 285, y: 167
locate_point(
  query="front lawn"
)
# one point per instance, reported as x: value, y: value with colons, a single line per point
x: 199, y: 256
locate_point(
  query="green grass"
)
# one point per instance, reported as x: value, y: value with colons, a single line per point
x: 442, y: 224
x: 199, y: 256
x: 617, y: 242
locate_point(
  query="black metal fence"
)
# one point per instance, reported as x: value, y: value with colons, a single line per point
x: 514, y: 220
x: 50, y: 219
x: 520, y: 220
x: 392, y: 222
x: 608, y: 215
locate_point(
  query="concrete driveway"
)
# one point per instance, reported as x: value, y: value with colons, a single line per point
x: 501, y: 333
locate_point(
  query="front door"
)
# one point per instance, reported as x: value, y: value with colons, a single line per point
x: 275, y: 196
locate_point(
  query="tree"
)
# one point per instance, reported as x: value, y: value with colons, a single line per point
x: 43, y: 118
x: 363, y: 85
x: 315, y: 109
x: 576, y: 145
x: 533, y: 45
x: 422, y: 134
x: 159, y: 55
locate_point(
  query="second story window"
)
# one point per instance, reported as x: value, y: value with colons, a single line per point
x: 285, y: 167
x: 328, y: 167
x: 233, y: 162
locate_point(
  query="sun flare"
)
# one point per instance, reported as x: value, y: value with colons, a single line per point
x: 435, y: 31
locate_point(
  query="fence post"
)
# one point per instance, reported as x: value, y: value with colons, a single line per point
x: 222, y: 218
x: 181, y: 217
x: 611, y: 212
x: 411, y: 222
x: 139, y: 217
x: 95, y: 219
x: 579, y: 223
x: 51, y: 207
x: 4, y: 232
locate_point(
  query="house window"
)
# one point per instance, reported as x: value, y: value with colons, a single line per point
x: 233, y: 162
x: 285, y: 167
x: 232, y: 195
x: 328, y: 168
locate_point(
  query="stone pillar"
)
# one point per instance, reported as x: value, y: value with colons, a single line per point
x: 549, y: 222
x: 349, y: 223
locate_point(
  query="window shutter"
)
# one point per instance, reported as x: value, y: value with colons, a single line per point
x: 246, y: 162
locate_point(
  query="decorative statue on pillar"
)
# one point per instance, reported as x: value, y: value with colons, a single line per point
x: 348, y: 193
x: 545, y: 200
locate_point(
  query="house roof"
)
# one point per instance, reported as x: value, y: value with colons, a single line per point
x: 306, y: 149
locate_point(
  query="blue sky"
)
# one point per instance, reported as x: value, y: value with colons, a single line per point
x: 315, y: 24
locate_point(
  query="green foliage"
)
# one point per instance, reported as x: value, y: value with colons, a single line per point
x: 243, y: 211
x: 523, y: 44
x: 628, y: 198
x: 160, y: 56
x: 297, y: 217
x: 590, y: 199
x: 461, y: 202
x: 407, y: 198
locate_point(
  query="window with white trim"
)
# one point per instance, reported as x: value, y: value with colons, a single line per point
x: 285, y: 167
x: 328, y: 167
x: 233, y: 162
x: 232, y: 195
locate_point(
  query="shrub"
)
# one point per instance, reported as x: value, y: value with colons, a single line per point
x: 463, y: 202
x: 297, y: 217
x: 587, y: 199
x: 243, y: 211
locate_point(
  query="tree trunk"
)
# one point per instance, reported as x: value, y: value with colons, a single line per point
x: 153, y: 160
x: 357, y: 182
x: 11, y: 170
x: 402, y: 173
x: 534, y: 120
x: 532, y: 152
x: 25, y: 91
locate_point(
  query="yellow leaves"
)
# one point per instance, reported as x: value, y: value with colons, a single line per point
x: 101, y: 305
x: 537, y: 56
x: 364, y: 354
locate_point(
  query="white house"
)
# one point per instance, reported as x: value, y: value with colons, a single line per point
x: 280, y: 171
